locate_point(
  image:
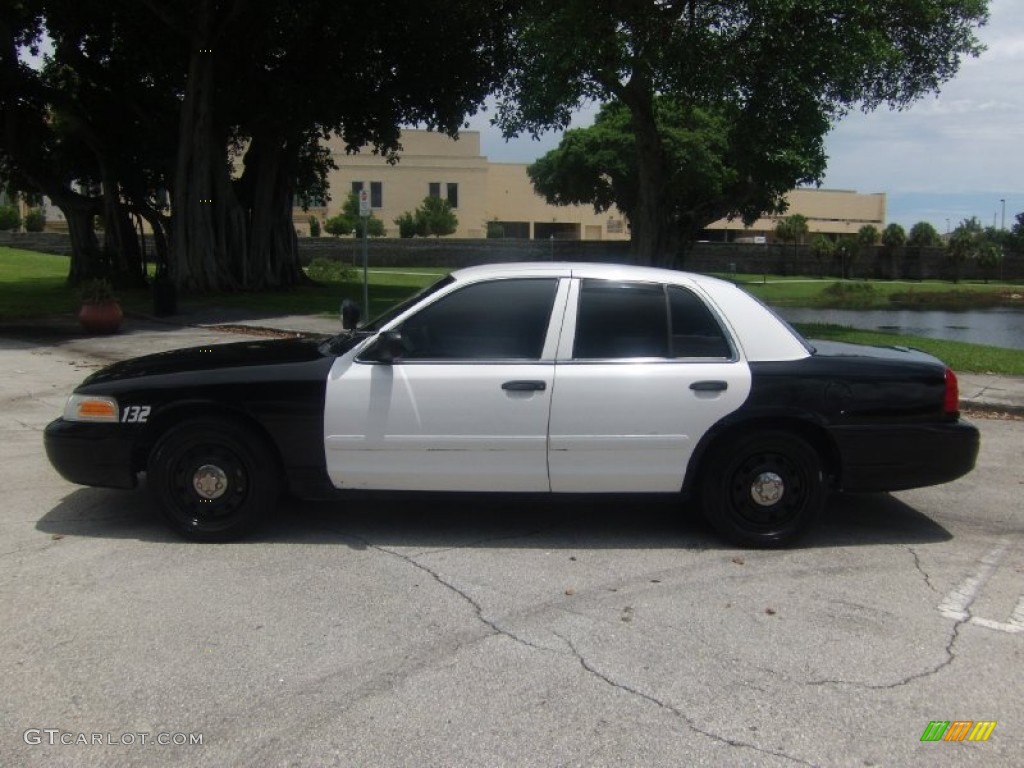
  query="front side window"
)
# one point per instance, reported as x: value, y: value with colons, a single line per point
x: 497, y: 320
x: 629, y: 320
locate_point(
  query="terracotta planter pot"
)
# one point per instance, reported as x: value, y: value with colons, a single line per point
x: 104, y: 317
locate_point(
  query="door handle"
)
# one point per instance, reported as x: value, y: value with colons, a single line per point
x: 709, y: 386
x: 524, y: 386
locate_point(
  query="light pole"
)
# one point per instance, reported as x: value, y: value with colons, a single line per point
x: 1002, y: 202
x: 947, y: 226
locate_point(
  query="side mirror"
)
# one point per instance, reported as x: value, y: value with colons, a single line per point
x: 349, y: 315
x: 388, y: 347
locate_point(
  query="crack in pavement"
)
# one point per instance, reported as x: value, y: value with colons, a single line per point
x: 477, y: 608
x: 921, y: 570
x: 950, y: 658
x: 592, y: 670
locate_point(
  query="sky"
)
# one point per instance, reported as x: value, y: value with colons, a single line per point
x: 944, y: 159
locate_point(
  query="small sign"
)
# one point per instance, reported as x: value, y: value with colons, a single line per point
x: 364, y: 203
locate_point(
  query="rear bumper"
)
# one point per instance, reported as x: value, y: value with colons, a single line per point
x: 898, y: 457
x: 90, y: 454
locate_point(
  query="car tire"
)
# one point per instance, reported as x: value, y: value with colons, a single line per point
x: 763, y: 489
x: 214, y: 480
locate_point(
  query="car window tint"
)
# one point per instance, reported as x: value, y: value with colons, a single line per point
x: 695, y: 331
x: 617, y: 320
x: 497, y: 320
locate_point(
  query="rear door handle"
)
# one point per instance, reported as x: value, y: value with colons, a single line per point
x: 709, y: 386
x: 524, y: 386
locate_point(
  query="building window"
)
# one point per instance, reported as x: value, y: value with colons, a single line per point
x: 453, y: 195
x: 376, y: 192
x: 615, y: 227
x: 434, y: 189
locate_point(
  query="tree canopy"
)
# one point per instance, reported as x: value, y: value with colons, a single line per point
x: 220, y: 108
x: 923, y: 235
x: 774, y: 75
x: 792, y: 229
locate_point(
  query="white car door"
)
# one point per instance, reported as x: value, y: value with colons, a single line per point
x: 644, y: 370
x: 464, y: 405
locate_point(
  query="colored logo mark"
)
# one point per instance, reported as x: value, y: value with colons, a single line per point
x: 958, y: 730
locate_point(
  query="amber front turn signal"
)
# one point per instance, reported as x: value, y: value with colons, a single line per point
x: 91, y: 408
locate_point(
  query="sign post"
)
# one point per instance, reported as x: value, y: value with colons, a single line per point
x: 364, y: 214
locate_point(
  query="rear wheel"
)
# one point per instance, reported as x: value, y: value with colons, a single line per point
x: 214, y: 480
x: 764, y: 489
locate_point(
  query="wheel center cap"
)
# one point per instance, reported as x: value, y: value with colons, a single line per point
x: 767, y: 489
x: 210, y: 481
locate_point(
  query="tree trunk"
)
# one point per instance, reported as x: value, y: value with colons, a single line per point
x: 120, y: 241
x: 655, y: 239
x: 80, y: 212
x: 208, y: 228
x: 267, y: 190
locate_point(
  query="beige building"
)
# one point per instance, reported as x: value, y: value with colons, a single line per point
x: 498, y: 197
x: 828, y: 211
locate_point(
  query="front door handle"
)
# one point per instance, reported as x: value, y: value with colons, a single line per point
x: 709, y: 386
x: 524, y: 386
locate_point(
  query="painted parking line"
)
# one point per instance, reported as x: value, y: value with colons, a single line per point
x: 957, y: 603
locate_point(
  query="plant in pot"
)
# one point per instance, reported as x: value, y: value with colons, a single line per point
x: 100, y: 312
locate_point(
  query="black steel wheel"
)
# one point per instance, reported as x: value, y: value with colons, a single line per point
x: 214, y: 480
x: 764, y: 489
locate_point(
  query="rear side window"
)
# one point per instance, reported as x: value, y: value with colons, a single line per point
x: 621, y: 320
x: 630, y: 320
x: 695, y: 331
x: 497, y: 320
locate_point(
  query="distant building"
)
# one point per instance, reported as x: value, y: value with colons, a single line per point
x: 828, y: 211
x: 499, y: 197
x: 485, y: 196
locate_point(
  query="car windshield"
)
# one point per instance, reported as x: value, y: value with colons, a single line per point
x: 383, y: 319
x: 346, y: 340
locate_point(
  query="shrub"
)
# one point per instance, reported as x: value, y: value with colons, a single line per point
x: 96, y: 290
x: 314, y: 226
x: 857, y: 294
x: 35, y: 220
x: 338, y: 225
x: 325, y: 270
x: 9, y: 218
x: 408, y: 226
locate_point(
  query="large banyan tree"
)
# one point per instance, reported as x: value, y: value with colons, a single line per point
x: 205, y: 119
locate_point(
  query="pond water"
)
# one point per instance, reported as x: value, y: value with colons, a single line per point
x: 999, y: 327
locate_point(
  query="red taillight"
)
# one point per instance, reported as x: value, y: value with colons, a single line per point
x: 952, y: 402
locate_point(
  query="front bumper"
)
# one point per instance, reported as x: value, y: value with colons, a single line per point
x: 899, y: 457
x: 91, y: 454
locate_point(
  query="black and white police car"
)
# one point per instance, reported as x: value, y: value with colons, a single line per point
x: 562, y: 378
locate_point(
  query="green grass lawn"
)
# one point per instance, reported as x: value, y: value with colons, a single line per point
x: 959, y: 355
x: 35, y: 284
x: 879, y: 294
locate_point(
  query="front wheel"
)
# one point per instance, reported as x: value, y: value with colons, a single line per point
x: 214, y: 480
x: 763, y: 490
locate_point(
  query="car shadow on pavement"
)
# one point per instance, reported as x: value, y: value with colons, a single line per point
x: 437, y: 521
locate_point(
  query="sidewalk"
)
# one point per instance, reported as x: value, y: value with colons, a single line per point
x: 984, y: 393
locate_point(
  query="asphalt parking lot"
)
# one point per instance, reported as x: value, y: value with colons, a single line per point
x: 432, y: 631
